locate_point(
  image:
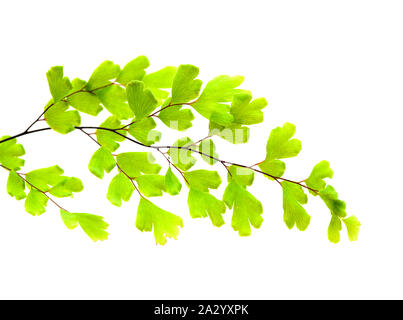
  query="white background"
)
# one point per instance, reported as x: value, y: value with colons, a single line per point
x: 333, y: 68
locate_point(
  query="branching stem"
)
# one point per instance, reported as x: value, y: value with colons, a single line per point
x: 158, y: 148
x: 21, y: 175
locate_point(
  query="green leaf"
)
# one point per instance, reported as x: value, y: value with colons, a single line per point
x: 203, y: 204
x: 66, y: 187
x: 94, y: 226
x: 143, y: 131
x: 85, y: 102
x: 333, y: 232
x: 275, y: 168
x: 280, y: 146
x: 59, y: 86
x: 106, y: 71
x: 353, y: 227
x: 294, y: 213
x: 184, y: 87
x: 242, y: 176
x: 330, y: 197
x: 134, y: 70
x: 233, y: 133
x: 161, y: 79
x: 101, y: 161
x: 246, y: 111
x: 247, y: 210
x: 203, y: 180
x: 141, y: 100
x: 16, y: 186
x: 177, y: 118
x: 45, y: 178
x: 182, y: 158
x: 135, y: 163
x: 61, y: 120
x: 172, y: 183
x: 208, y: 147
x: 77, y: 85
x: 114, y: 100
x: 108, y: 139
x: 319, y: 172
x: 120, y: 188
x: 212, y: 101
x: 10, y: 152
x: 36, y: 202
x: 151, y: 185
x: 165, y: 224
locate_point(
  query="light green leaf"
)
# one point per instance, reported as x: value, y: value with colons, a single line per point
x: 161, y: 79
x: 247, y: 210
x: 242, y: 176
x: 177, y: 118
x: 319, y: 172
x: 233, y: 133
x: 203, y: 204
x: 59, y: 86
x: 120, y: 188
x: 135, y: 163
x: 10, y: 153
x: 106, y: 71
x: 45, y: 178
x: 61, y: 120
x: 94, y: 226
x: 203, y: 180
x: 101, y: 161
x: 141, y: 100
x: 109, y: 139
x: 294, y: 213
x: 85, y: 102
x: 333, y: 232
x: 134, y: 70
x: 182, y: 158
x: 212, y: 101
x: 208, y: 147
x: 151, y: 185
x: 66, y: 187
x: 275, y: 168
x: 353, y: 227
x: 114, y: 100
x: 280, y: 146
x: 330, y: 197
x: 36, y: 202
x: 165, y: 224
x: 77, y: 85
x: 143, y: 131
x: 184, y: 87
x: 246, y: 111
x: 172, y: 183
x: 16, y: 186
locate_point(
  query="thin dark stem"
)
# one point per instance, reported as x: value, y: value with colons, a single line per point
x: 278, y: 179
x: 23, y: 134
x: 198, y: 141
x: 67, y: 96
x: 89, y: 136
x: 158, y: 111
x: 131, y: 180
x: 120, y: 169
x: 171, y: 163
x: 21, y: 175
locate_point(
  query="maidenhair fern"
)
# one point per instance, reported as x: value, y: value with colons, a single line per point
x: 136, y: 101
